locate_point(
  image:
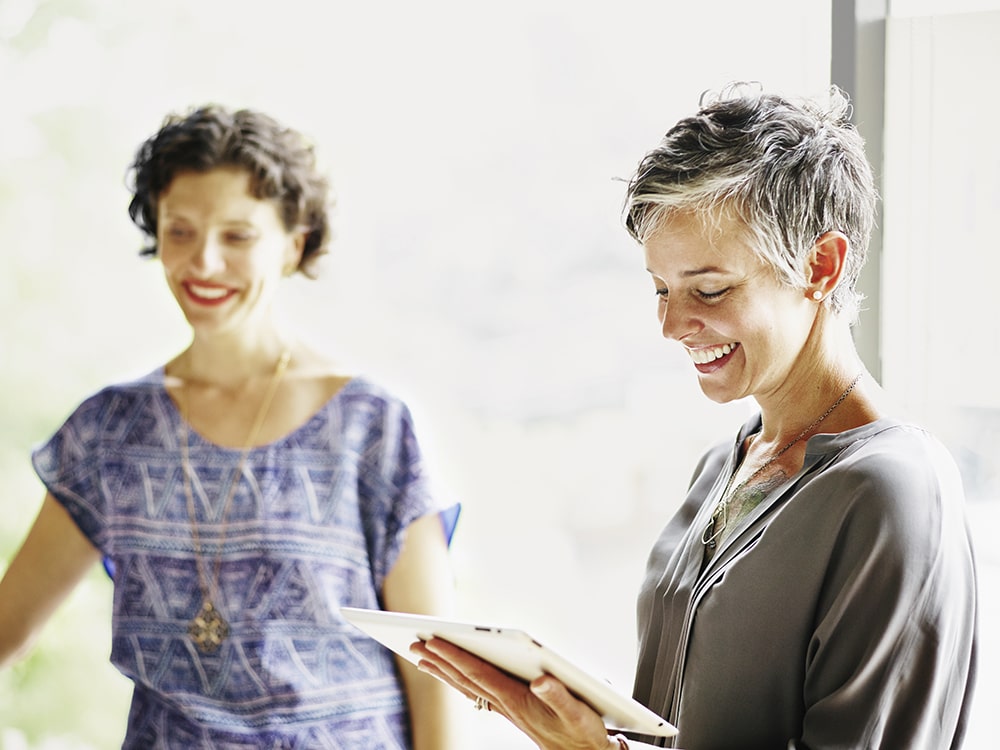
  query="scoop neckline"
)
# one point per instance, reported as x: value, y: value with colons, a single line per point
x: 181, y: 423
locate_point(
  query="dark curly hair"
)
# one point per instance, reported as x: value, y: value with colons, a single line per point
x: 281, y: 163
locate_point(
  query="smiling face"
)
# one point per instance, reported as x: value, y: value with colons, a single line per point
x: 743, y: 329
x: 223, y: 250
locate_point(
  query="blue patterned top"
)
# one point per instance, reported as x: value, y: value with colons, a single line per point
x: 316, y: 523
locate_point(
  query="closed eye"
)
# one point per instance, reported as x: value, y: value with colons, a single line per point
x: 179, y: 233
x: 240, y: 237
x: 663, y: 293
x: 711, y: 295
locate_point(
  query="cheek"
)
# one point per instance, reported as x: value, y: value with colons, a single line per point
x: 781, y: 331
x: 170, y: 259
x: 264, y: 268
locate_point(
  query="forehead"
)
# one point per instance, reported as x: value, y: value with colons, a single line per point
x: 686, y: 244
x: 223, y: 192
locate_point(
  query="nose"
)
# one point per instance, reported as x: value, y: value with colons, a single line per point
x: 208, y: 257
x: 676, y: 320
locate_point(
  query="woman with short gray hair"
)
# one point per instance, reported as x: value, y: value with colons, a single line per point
x: 816, y: 588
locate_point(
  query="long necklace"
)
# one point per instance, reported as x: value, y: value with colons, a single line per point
x: 720, y: 515
x: 208, y: 628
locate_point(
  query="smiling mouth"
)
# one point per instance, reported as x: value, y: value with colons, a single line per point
x: 208, y: 294
x: 710, y: 354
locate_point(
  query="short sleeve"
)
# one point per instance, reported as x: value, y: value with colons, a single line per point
x: 68, y: 464
x: 394, y: 488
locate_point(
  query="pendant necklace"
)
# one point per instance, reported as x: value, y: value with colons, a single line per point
x: 720, y: 516
x: 208, y: 628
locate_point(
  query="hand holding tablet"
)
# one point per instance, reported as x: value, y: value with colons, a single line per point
x: 514, y: 652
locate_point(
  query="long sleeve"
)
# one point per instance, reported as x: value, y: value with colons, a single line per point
x: 891, y: 661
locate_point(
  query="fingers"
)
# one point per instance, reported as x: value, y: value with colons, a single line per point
x: 545, y: 710
x: 463, y: 670
x: 470, y: 675
x: 433, y: 664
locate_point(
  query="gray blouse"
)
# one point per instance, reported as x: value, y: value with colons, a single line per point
x: 840, y: 613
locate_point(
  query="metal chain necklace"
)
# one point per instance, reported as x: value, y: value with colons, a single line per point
x: 720, y: 515
x: 208, y: 628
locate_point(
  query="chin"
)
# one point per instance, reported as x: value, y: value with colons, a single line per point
x: 717, y: 394
x: 200, y: 325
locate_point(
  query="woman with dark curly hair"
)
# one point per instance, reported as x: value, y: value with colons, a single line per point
x: 245, y: 491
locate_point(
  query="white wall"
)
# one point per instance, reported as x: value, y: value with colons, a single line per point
x: 481, y: 270
x: 941, y: 315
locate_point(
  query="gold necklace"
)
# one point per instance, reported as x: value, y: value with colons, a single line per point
x: 208, y: 628
x: 720, y: 516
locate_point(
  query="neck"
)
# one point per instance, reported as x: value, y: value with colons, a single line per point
x: 825, y: 368
x: 230, y: 361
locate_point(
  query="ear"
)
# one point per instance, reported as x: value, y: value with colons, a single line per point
x: 293, y: 253
x: 825, y: 264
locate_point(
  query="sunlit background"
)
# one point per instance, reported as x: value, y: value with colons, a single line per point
x: 481, y: 271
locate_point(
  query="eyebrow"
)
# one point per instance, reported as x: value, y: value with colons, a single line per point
x: 232, y: 221
x: 698, y: 271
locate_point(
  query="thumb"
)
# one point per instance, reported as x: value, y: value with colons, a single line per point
x: 577, y: 724
x: 554, y: 694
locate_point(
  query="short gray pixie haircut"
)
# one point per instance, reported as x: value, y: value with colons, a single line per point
x: 786, y: 171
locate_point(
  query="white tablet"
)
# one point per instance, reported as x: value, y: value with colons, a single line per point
x: 515, y: 652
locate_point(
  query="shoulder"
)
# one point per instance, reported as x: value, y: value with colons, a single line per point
x: 897, y: 483
x: 118, y: 398
x: 109, y: 417
x: 899, y: 457
x: 377, y: 424
x: 372, y: 413
x: 362, y: 392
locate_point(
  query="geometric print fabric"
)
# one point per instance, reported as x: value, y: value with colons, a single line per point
x: 316, y: 523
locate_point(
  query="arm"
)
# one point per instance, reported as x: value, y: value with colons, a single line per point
x: 53, y: 559
x: 903, y: 567
x: 419, y: 582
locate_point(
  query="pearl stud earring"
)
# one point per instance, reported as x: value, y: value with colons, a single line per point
x: 817, y: 295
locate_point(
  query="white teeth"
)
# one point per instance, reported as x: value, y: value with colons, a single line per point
x: 704, y: 356
x: 208, y: 292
